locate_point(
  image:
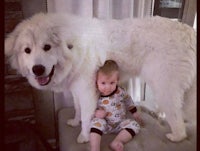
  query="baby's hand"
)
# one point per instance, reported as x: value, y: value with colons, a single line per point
x: 138, y: 119
x: 100, y: 113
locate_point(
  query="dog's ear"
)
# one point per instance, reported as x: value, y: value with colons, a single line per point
x: 9, y: 44
x: 11, y: 55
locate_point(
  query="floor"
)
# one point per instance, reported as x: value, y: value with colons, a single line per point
x: 23, y: 136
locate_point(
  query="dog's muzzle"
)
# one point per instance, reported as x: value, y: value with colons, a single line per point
x: 39, y: 71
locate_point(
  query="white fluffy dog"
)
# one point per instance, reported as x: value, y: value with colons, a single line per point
x: 60, y: 51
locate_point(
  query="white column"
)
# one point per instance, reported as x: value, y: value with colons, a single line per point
x: 102, y: 9
x: 195, y: 22
x: 78, y: 7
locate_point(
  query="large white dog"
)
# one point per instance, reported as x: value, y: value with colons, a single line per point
x: 60, y: 51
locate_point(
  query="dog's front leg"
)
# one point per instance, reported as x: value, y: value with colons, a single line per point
x: 77, y: 118
x: 88, y: 105
x: 86, y: 95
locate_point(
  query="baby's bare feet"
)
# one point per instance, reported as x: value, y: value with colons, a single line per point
x: 117, y: 146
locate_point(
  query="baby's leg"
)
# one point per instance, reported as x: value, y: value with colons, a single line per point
x: 118, y: 143
x: 95, y: 141
x: 96, y: 131
x: 129, y: 129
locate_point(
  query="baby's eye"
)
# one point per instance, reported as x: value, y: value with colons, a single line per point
x: 103, y: 83
x: 112, y: 83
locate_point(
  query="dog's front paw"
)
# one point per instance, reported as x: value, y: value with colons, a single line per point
x: 73, y: 122
x: 82, y: 139
x: 175, y: 137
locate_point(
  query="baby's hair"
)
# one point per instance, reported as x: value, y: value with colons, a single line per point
x: 108, y: 67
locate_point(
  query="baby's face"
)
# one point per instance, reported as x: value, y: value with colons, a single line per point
x: 106, y: 84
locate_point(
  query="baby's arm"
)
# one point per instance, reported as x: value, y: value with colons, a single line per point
x: 136, y: 115
x: 100, y: 113
x: 132, y: 108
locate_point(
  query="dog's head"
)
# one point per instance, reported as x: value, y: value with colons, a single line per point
x: 36, y: 50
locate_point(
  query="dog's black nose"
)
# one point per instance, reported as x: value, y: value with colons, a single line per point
x: 38, y: 70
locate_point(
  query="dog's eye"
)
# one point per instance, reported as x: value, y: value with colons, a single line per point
x: 47, y: 47
x: 27, y: 50
x: 70, y: 46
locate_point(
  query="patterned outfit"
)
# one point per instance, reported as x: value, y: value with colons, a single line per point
x: 115, y: 106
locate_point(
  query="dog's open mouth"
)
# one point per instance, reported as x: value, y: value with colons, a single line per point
x: 44, y: 80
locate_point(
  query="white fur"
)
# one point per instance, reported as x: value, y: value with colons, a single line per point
x: 161, y: 51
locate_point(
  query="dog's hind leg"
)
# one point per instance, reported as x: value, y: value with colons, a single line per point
x: 170, y: 75
x: 169, y: 97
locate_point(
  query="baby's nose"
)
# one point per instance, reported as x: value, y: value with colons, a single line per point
x: 108, y: 87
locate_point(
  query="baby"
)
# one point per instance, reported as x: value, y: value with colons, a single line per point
x: 110, y: 116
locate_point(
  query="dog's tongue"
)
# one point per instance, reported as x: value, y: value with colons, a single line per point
x: 42, y: 80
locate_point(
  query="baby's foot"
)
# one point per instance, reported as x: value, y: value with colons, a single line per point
x: 117, y: 146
